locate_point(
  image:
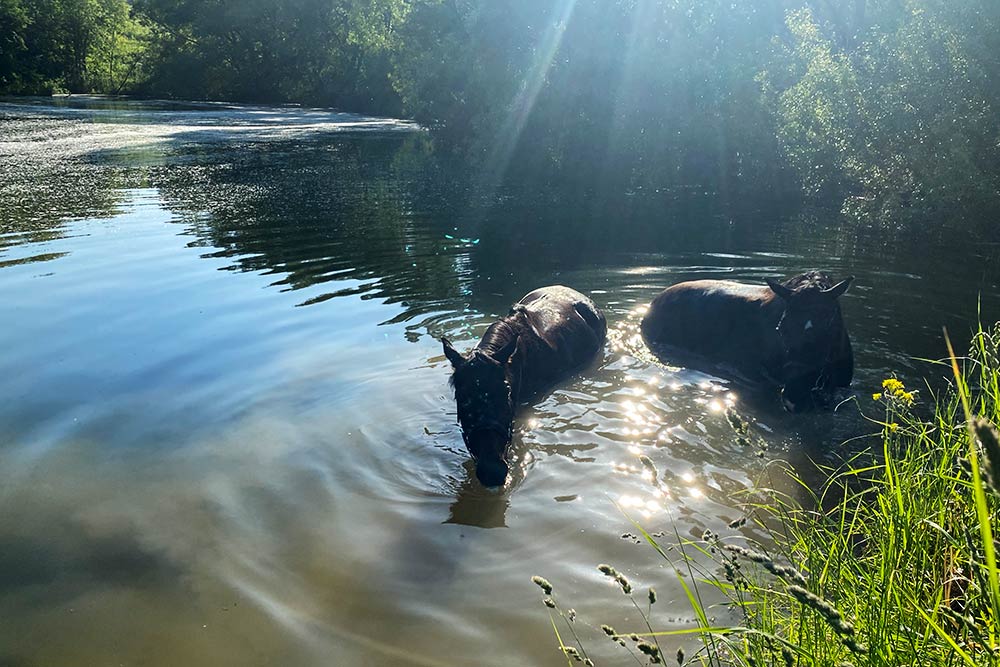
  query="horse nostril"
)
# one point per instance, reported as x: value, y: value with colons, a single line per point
x: 492, y: 473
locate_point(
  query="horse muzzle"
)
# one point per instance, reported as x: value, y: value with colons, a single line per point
x: 488, y: 447
x: 492, y: 473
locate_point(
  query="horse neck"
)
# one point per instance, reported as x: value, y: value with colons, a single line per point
x: 773, y: 308
x: 499, y: 334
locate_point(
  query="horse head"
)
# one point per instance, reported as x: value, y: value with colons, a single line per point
x: 812, y: 333
x: 486, y: 402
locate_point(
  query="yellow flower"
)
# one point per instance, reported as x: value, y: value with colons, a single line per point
x: 893, y: 385
x: 906, y: 396
x: 893, y: 427
x: 876, y: 397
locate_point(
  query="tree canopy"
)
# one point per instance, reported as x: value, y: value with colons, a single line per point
x: 885, y: 106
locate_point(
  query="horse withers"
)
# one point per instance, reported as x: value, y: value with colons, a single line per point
x: 791, y: 334
x: 547, y: 335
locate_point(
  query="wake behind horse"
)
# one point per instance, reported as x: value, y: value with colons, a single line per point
x: 790, y: 335
x: 547, y: 335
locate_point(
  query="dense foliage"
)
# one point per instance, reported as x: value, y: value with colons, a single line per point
x: 331, y: 52
x: 887, y: 106
x: 70, y: 45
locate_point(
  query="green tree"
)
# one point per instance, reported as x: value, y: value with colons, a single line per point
x: 904, y: 119
x: 315, y: 51
x: 117, y: 56
x: 75, y: 45
x: 880, y: 106
x: 13, y: 26
x: 622, y: 93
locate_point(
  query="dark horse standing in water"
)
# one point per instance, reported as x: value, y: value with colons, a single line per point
x: 789, y: 335
x: 548, y: 334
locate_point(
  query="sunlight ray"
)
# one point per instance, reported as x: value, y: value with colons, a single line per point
x: 630, y: 88
x: 509, y: 133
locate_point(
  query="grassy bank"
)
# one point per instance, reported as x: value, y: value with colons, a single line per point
x: 891, y: 562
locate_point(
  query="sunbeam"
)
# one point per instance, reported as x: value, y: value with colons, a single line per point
x: 509, y: 133
x: 630, y: 78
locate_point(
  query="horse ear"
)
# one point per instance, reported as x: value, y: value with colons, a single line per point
x: 502, y: 355
x: 839, y: 289
x: 779, y: 289
x: 454, y: 356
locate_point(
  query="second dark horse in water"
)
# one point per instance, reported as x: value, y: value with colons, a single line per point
x: 790, y: 335
x: 548, y: 334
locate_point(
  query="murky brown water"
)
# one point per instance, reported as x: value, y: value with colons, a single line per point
x: 227, y: 436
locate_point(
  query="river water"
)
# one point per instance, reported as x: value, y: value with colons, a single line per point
x: 227, y: 436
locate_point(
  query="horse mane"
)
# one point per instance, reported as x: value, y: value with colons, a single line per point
x: 502, y: 331
x: 497, y: 336
x: 810, y: 281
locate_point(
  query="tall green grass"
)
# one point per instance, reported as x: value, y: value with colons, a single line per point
x: 892, y: 562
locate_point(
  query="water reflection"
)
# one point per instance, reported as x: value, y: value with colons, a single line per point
x: 294, y: 208
x: 230, y: 421
x: 475, y: 505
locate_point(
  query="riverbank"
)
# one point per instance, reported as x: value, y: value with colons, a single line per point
x: 885, y: 112
x: 891, y: 562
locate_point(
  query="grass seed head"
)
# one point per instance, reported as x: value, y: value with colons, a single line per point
x: 855, y: 647
x: 786, y: 572
x: 825, y: 609
x: 650, y: 650
x: 737, y: 422
x: 754, y: 556
x: 542, y: 583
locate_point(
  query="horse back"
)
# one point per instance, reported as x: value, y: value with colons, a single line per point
x: 731, y: 323
x: 563, y: 331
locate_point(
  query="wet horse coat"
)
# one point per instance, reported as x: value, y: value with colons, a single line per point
x: 790, y: 334
x: 547, y: 335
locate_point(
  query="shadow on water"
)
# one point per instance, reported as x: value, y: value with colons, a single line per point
x: 382, y: 211
x: 420, y: 234
x: 33, y: 563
